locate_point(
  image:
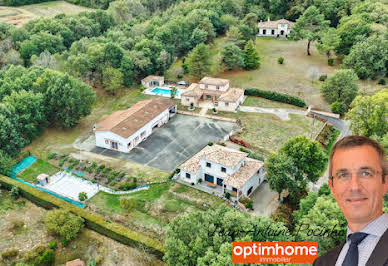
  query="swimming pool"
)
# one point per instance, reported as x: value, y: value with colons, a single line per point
x: 165, y: 91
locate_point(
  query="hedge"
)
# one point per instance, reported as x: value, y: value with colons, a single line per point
x: 92, y: 220
x: 276, y: 96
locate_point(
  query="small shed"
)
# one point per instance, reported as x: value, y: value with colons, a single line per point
x: 43, y: 179
x: 76, y: 262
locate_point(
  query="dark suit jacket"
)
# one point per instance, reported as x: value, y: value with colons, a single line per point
x: 379, y: 256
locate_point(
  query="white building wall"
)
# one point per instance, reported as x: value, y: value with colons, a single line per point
x: 122, y: 143
x: 255, y: 181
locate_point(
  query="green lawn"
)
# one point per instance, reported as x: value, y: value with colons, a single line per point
x: 267, y: 132
x: 155, y: 207
x: 262, y: 102
x: 38, y: 167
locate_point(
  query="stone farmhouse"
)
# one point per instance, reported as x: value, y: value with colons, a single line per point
x: 214, y: 91
x: 152, y: 81
x: 123, y: 130
x: 277, y: 28
x: 224, y: 169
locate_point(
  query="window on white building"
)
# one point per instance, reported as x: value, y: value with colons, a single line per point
x: 223, y: 169
x: 226, y: 104
x: 188, y: 175
x: 106, y: 141
x: 208, y: 165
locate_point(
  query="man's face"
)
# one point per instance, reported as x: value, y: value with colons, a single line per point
x: 359, y: 199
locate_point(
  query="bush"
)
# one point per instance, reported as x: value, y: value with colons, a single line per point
x: 63, y: 223
x: 48, y: 258
x: 338, y: 108
x: 276, y: 96
x: 200, y: 180
x: 51, y: 155
x: 330, y: 62
x: 15, y: 193
x: 53, y: 245
x: 249, y: 204
x: 82, y: 196
x: 382, y: 81
x: 10, y: 253
x: 142, y: 89
x: 281, y: 60
x: 210, y: 143
x: 214, y: 110
x: 64, y: 242
x: 128, y: 203
x: 227, y: 195
x: 61, y: 162
x: 127, y: 186
x: 322, y: 77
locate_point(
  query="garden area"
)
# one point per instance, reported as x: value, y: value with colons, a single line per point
x: 150, y: 211
x: 24, y: 222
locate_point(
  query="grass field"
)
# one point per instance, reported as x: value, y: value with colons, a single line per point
x: 267, y: 132
x: 19, y: 16
x: 38, y: 167
x: 155, y: 207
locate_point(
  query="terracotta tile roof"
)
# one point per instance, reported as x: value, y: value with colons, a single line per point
x: 231, y: 95
x: 214, y: 81
x: 215, y: 153
x: 274, y: 24
x: 76, y: 262
x: 126, y: 122
x: 151, y: 78
x: 192, y: 91
x: 239, y: 178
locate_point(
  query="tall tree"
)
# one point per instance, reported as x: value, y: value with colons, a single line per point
x: 198, y: 61
x: 112, y: 79
x: 251, y: 56
x: 368, y: 114
x: 329, y: 42
x: 5, y: 163
x: 341, y: 86
x: 310, y: 26
x: 232, y: 56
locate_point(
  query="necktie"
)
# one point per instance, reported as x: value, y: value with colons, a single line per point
x: 351, y: 258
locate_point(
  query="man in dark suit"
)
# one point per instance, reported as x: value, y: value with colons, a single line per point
x: 358, y: 171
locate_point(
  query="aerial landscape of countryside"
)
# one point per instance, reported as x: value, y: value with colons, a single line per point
x: 159, y: 132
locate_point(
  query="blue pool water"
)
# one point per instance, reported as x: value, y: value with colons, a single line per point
x: 164, y: 91
x: 24, y: 164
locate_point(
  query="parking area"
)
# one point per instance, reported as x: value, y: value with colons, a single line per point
x: 265, y: 200
x: 173, y: 143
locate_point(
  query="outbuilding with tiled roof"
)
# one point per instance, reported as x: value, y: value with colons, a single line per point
x: 277, y: 28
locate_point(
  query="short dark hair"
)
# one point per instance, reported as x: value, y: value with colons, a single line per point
x: 356, y: 141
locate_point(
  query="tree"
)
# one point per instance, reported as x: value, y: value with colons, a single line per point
x: 198, y: 61
x: 63, y: 223
x: 307, y: 155
x: 309, y: 26
x: 66, y: 98
x: 127, y: 70
x: 368, y: 114
x: 251, y: 57
x: 234, y: 36
x: 189, y: 242
x: 112, y: 79
x: 281, y: 174
x: 5, y: 163
x: 326, y: 220
x: 341, y: 86
x: 251, y: 21
x: 113, y: 54
x: 30, y: 110
x: 227, y: 21
x: 368, y: 58
x: 82, y: 196
x: 329, y: 42
x: 45, y: 59
x: 232, y: 57
x: 351, y: 30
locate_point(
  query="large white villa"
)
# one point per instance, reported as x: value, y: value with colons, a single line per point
x: 123, y: 130
x: 277, y: 28
x: 225, y: 169
x: 215, y: 91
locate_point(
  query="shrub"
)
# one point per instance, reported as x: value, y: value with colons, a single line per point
x: 322, y: 77
x: 249, y: 204
x: 127, y: 203
x: 47, y: 258
x: 214, y: 110
x: 53, y: 245
x: 142, y: 89
x: 15, y: 193
x: 180, y: 75
x: 10, y: 253
x: 61, y: 162
x: 276, y: 96
x: 227, y: 195
x: 330, y: 62
x: 127, y: 186
x: 94, y: 165
x: 210, y: 143
x: 134, y: 180
x: 63, y: 223
x: 112, y: 183
x: 51, y: 155
x: 338, y: 108
x: 82, y: 196
x: 382, y: 81
x: 64, y: 242
x: 281, y: 60
x: 200, y: 180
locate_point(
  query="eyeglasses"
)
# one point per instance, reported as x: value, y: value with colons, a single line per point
x: 362, y: 174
